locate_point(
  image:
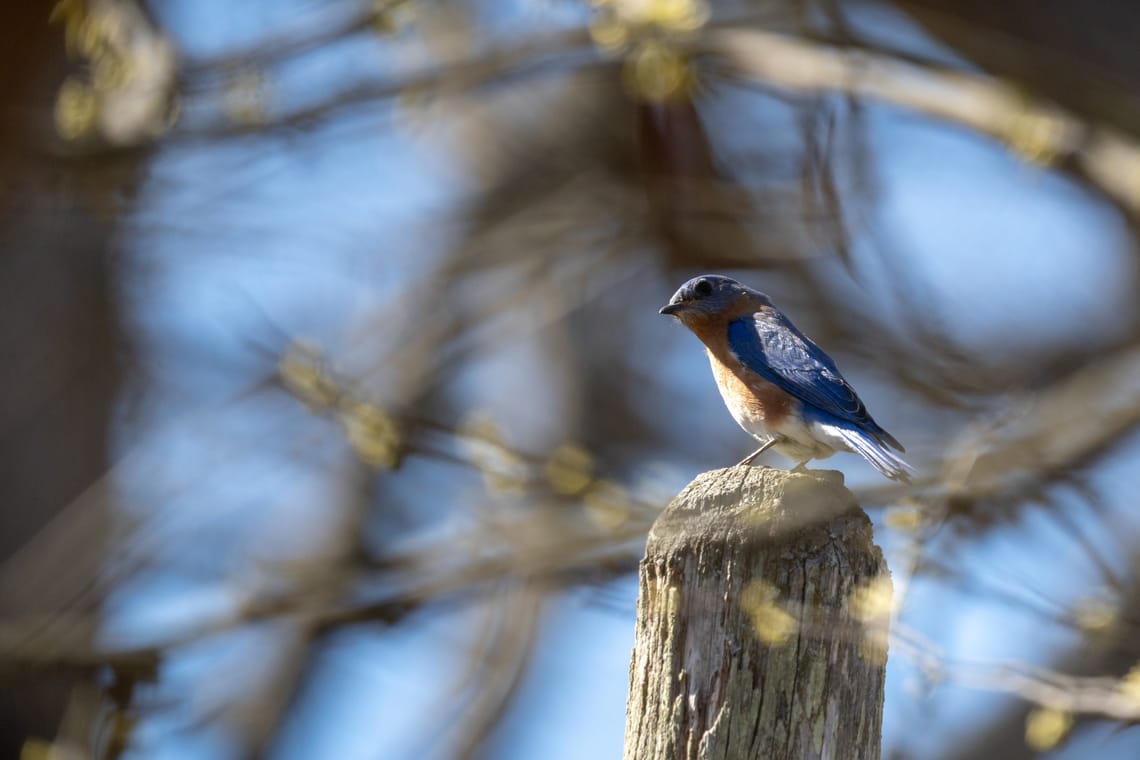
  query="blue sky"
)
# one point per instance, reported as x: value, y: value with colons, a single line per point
x: 318, y: 229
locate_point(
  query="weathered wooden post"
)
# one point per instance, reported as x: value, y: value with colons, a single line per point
x: 750, y: 635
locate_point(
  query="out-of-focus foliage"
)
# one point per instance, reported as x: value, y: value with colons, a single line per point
x: 125, y: 95
x: 335, y: 384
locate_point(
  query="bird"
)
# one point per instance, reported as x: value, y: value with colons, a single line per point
x: 778, y: 385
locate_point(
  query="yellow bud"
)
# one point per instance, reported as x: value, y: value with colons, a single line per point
x: 874, y: 601
x: 1036, y: 137
x: 69, y: 13
x: 771, y: 622
x: 478, y: 426
x: 676, y: 15
x: 66, y: 10
x: 88, y: 37
x: 656, y: 72
x: 570, y: 470
x: 373, y: 434
x: 1046, y: 727
x: 906, y: 518
x: 111, y: 72
x: 873, y: 647
x: 1095, y: 614
x: 301, y: 369
x: 76, y: 108
x: 1130, y: 686
x: 38, y: 749
x: 608, y: 32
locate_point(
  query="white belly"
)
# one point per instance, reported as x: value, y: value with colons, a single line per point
x: 795, y: 439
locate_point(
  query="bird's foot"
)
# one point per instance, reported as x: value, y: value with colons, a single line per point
x: 747, y: 460
x: 751, y: 457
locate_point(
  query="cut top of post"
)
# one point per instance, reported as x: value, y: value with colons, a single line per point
x: 744, y: 505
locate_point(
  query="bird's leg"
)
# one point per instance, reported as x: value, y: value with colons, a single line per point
x: 801, y: 466
x: 748, y: 459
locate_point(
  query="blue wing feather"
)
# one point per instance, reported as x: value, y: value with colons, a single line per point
x: 770, y: 345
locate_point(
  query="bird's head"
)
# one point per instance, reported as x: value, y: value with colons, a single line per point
x: 710, y: 295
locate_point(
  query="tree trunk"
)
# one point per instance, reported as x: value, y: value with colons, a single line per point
x: 60, y: 347
x: 751, y: 640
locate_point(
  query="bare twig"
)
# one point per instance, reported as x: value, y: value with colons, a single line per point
x: 1040, y: 131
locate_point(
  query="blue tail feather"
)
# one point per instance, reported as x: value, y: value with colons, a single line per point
x: 876, y: 452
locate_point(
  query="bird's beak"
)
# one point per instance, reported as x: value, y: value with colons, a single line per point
x: 671, y: 309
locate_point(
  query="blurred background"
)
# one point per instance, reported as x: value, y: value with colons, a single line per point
x: 336, y: 405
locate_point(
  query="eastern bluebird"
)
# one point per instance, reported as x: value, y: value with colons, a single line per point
x: 778, y: 385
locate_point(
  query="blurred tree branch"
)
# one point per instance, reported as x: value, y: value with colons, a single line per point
x: 585, y: 191
x: 1040, y: 132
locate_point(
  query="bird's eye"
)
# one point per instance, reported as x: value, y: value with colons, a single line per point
x: 703, y: 288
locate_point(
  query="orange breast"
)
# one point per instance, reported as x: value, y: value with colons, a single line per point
x: 753, y: 401
x: 748, y: 396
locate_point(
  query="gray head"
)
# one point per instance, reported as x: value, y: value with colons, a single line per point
x: 712, y: 294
